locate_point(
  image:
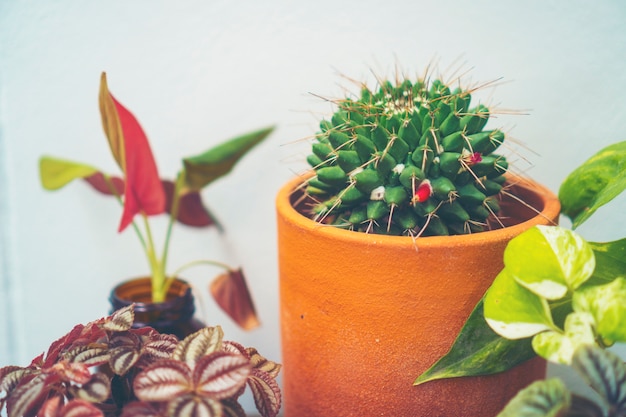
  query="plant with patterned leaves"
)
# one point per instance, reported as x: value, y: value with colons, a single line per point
x: 141, y: 191
x: 410, y: 158
x: 106, y: 368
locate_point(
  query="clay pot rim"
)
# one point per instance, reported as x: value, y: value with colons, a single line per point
x: 550, y: 211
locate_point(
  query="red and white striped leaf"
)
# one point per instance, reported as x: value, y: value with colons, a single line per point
x: 266, y: 393
x: 221, y: 374
x: 59, y: 345
x: 122, y: 359
x: 260, y: 362
x: 97, y: 389
x: 163, y: 346
x: 10, y: 376
x: 124, y: 338
x: 199, y: 344
x: 234, y: 347
x: 120, y: 320
x: 231, y: 408
x: 90, y: 355
x: 163, y: 381
x: 76, y: 372
x: 192, y: 406
x: 80, y: 408
x: 51, y: 407
x: 27, y: 396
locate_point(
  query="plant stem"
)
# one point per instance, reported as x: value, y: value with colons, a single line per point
x: 158, y: 273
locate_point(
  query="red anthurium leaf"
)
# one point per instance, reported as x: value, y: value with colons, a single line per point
x: 260, y: 362
x: 199, y: 344
x: 231, y: 293
x: 192, y: 406
x: 221, y: 374
x: 80, y: 408
x: 106, y: 184
x: 143, y: 191
x: 191, y: 211
x: 163, y: 381
x: 266, y: 393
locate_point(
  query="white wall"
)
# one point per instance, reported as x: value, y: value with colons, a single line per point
x: 197, y: 72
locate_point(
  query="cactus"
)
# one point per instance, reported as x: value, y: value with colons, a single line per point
x: 410, y: 159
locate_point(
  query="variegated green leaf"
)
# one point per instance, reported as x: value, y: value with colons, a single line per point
x: 220, y: 374
x: 549, y: 260
x: 192, y: 406
x: 607, y: 305
x: 266, y: 393
x: 593, y: 184
x: 205, y: 168
x: 198, y: 344
x: 548, y: 398
x: 56, y: 173
x: 559, y: 347
x: 478, y: 350
x: 163, y: 381
x: 605, y: 372
x: 513, y: 311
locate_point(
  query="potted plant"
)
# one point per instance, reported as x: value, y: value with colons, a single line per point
x: 107, y: 368
x: 142, y: 192
x: 559, y: 297
x: 389, y: 243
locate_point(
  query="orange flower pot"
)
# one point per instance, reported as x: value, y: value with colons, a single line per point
x: 363, y: 315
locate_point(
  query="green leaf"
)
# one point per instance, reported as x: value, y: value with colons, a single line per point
x: 205, y: 168
x: 549, y: 260
x: 605, y: 372
x: 607, y: 304
x: 513, y: 311
x: 559, y: 347
x: 548, y: 398
x: 610, y: 261
x: 56, y: 173
x: 593, y: 184
x: 477, y: 350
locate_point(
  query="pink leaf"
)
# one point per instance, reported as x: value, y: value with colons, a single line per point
x: 221, y: 374
x: 163, y: 381
x: 143, y: 191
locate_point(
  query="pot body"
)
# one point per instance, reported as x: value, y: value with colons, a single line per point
x: 363, y: 315
x: 174, y: 316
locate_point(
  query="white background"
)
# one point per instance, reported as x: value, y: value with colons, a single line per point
x: 198, y: 72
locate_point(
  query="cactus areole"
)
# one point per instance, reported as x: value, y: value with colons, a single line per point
x: 409, y: 159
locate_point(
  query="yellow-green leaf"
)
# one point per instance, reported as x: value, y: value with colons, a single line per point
x: 549, y: 260
x: 205, y: 168
x: 513, y: 311
x: 111, y: 122
x: 607, y: 304
x: 55, y: 173
x: 559, y: 347
x: 593, y: 184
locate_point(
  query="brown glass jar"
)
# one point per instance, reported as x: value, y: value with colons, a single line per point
x: 173, y: 316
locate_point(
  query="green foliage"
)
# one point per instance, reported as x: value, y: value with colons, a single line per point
x: 408, y: 159
x: 605, y: 373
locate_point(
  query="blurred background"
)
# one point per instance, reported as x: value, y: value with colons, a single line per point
x: 198, y: 72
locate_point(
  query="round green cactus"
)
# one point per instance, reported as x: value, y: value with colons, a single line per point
x: 410, y: 159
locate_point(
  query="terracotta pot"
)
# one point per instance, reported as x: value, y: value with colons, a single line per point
x: 174, y: 316
x: 363, y: 315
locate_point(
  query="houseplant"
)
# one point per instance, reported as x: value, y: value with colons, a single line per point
x: 142, y: 192
x: 386, y: 247
x: 560, y: 297
x: 107, y: 368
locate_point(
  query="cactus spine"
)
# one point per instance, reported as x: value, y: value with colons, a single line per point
x: 409, y: 159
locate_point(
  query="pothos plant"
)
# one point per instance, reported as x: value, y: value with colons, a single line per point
x: 142, y: 192
x: 560, y: 297
x: 107, y: 368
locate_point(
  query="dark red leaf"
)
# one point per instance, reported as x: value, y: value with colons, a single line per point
x: 231, y: 293
x: 80, y: 408
x: 143, y: 191
x: 142, y: 409
x: 191, y: 211
x: 100, y: 184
